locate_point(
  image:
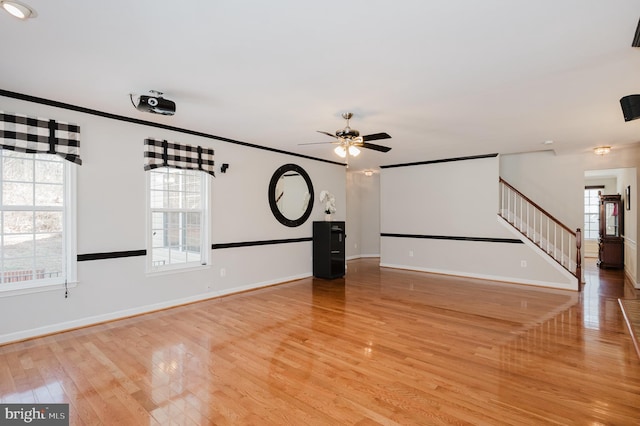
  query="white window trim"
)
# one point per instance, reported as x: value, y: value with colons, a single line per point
x: 205, y: 244
x: 70, y: 246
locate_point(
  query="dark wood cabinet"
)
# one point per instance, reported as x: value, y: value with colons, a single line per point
x: 328, y: 249
x: 611, y: 241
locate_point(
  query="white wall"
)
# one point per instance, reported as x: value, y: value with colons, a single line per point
x: 629, y: 178
x: 456, y: 199
x: 111, y: 217
x: 554, y: 182
x: 363, y: 215
x: 610, y: 184
x: 353, y: 244
x: 370, y: 215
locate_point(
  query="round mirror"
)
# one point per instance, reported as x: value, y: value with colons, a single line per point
x: 291, y: 195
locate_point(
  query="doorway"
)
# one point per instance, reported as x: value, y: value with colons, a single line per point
x: 610, y: 182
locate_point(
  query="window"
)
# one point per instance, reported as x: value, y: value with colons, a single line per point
x: 178, y: 209
x: 36, y: 228
x: 591, y: 213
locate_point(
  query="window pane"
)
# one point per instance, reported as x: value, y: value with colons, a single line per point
x: 49, y: 267
x: 159, y: 257
x: 157, y: 230
x: 172, y: 224
x: 193, y: 232
x: 16, y: 270
x: 17, y: 194
x: 50, y: 172
x: 49, y: 221
x: 174, y: 200
x: 156, y: 180
x: 192, y: 200
x: 193, y: 183
x: 17, y: 222
x: 47, y: 244
x: 49, y: 195
x: 17, y: 169
x: 173, y: 180
x: 17, y: 246
x: 157, y: 199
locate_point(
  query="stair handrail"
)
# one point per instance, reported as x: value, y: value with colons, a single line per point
x: 549, y: 215
x: 577, y: 234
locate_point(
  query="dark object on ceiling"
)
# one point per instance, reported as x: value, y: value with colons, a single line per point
x: 630, y: 107
x: 155, y: 104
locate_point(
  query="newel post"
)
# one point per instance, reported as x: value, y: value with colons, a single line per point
x: 579, y: 258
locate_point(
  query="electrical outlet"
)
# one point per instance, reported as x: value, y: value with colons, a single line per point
x: 223, y: 272
x: 410, y: 253
x: 523, y: 263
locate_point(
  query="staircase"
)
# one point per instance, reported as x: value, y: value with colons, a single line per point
x: 542, y: 229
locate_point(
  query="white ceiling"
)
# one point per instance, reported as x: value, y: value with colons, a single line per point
x: 445, y: 78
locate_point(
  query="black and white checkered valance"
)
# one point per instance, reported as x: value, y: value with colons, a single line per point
x: 162, y: 153
x: 33, y: 135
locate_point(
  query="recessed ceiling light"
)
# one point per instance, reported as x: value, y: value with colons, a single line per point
x: 18, y: 10
x: 549, y: 142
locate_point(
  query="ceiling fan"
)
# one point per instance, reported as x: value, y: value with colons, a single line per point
x: 349, y: 140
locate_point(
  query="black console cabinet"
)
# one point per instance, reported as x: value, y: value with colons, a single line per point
x: 328, y: 249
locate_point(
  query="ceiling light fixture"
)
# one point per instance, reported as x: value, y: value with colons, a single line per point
x: 602, y: 150
x: 341, y: 151
x: 368, y: 172
x: 18, y: 10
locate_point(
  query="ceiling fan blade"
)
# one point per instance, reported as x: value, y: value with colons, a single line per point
x: 327, y: 133
x: 375, y: 147
x: 376, y: 136
x: 317, y: 143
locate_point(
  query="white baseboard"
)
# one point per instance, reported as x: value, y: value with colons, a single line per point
x: 546, y: 284
x: 112, y: 316
x: 361, y: 256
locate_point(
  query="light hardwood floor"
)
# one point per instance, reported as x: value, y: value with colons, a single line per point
x: 383, y: 347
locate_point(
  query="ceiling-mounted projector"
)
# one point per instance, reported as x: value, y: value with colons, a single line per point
x: 155, y: 103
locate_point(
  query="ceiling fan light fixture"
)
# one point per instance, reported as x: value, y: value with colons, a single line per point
x: 17, y: 9
x: 602, y: 150
x: 349, y: 140
x: 341, y: 151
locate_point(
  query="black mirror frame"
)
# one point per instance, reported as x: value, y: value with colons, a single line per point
x: 272, y: 195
